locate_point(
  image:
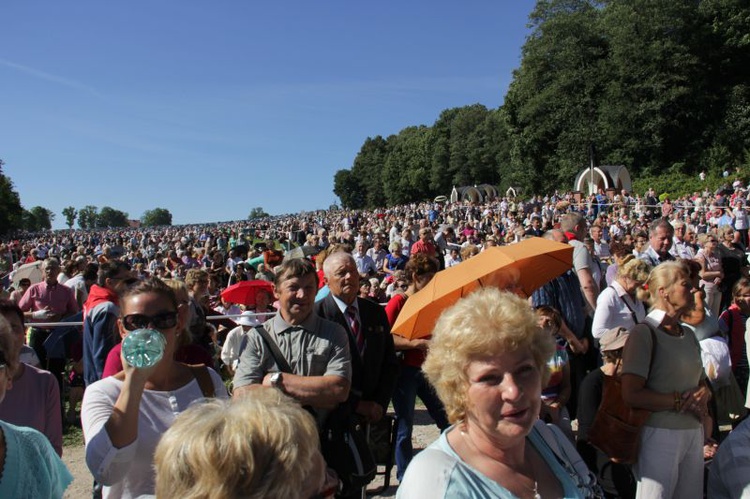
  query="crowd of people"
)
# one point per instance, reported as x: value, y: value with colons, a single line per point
x: 659, y: 294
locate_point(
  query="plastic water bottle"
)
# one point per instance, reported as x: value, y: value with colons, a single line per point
x: 143, y: 347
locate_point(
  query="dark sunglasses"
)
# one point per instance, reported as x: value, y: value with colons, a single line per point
x: 165, y: 320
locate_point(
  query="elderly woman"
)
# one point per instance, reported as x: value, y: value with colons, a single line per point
x: 30, y: 466
x: 712, y: 272
x: 670, y: 460
x: 488, y: 363
x: 264, y: 446
x: 124, y: 416
x: 619, y: 304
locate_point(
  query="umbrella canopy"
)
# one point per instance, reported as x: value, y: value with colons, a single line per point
x: 243, y: 293
x: 32, y: 271
x: 524, y: 266
x: 301, y: 252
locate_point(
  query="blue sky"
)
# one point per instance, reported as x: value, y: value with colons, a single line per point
x: 209, y: 109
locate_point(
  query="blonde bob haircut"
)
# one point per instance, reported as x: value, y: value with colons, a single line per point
x: 262, y: 446
x: 487, y: 322
x: 634, y: 268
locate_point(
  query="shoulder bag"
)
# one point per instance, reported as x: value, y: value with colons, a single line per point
x: 616, y: 429
x: 343, y: 439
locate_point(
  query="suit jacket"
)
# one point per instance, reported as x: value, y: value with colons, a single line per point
x: 374, y: 374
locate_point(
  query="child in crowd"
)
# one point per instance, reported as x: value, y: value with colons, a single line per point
x: 557, y: 392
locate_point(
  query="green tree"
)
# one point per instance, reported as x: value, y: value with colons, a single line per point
x: 87, y: 217
x: 349, y: 190
x: 367, y: 170
x: 405, y: 174
x: 156, y: 217
x: 70, y: 215
x: 11, y: 211
x: 110, y: 217
x: 551, y: 105
x: 38, y: 218
x: 257, y: 212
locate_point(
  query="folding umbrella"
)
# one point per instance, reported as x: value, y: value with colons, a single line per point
x: 522, y: 267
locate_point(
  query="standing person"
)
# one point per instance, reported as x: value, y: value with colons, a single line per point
x: 411, y: 383
x: 230, y: 351
x: 488, y: 363
x: 316, y: 349
x: 35, y: 401
x: 681, y: 246
x: 733, y: 325
x: 619, y: 304
x: 575, y: 226
x: 616, y: 479
x: 712, y: 273
x: 261, y: 446
x: 30, y: 467
x: 100, y: 313
x: 124, y: 416
x: 374, y: 364
x: 733, y: 262
x: 660, y: 236
x: 670, y: 460
x: 48, y: 301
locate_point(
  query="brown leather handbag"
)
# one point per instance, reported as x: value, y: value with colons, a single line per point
x: 616, y: 429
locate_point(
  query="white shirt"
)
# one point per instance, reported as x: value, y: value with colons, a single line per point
x: 612, y: 310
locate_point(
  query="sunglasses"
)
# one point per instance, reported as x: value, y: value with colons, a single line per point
x: 164, y: 320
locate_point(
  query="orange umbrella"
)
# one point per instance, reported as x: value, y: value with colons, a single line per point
x: 524, y: 267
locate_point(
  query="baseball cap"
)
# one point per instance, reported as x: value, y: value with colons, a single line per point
x: 613, y: 339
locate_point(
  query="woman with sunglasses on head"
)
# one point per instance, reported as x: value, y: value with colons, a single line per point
x: 124, y: 416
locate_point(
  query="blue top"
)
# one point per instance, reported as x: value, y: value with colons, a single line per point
x: 32, y: 467
x: 439, y: 472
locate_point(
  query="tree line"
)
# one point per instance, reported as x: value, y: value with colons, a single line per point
x: 659, y: 86
x: 14, y: 217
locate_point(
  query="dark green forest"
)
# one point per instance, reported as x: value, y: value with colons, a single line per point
x: 660, y: 86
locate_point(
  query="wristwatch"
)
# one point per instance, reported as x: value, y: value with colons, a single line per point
x: 276, y: 381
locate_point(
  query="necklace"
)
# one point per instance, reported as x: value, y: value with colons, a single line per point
x: 528, y: 464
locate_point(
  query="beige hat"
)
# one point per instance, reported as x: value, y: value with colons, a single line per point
x: 613, y: 339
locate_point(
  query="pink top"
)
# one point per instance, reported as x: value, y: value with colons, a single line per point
x: 34, y: 401
x: 57, y: 297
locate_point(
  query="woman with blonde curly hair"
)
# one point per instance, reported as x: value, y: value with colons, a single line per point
x: 619, y: 305
x: 488, y: 363
x: 264, y: 446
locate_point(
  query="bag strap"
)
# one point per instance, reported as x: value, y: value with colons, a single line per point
x: 632, y: 311
x: 278, y: 357
x: 568, y: 457
x: 200, y: 372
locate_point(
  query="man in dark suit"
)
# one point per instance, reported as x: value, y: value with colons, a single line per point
x: 374, y: 364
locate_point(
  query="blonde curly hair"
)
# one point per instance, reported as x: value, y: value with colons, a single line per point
x: 486, y: 322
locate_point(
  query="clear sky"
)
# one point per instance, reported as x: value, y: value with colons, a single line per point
x: 210, y: 108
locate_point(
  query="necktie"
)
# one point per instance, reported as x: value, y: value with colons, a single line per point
x: 351, y: 316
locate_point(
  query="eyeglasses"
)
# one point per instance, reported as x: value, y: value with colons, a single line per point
x: 164, y: 320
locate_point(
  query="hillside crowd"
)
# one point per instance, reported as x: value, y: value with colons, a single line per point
x: 652, y: 278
